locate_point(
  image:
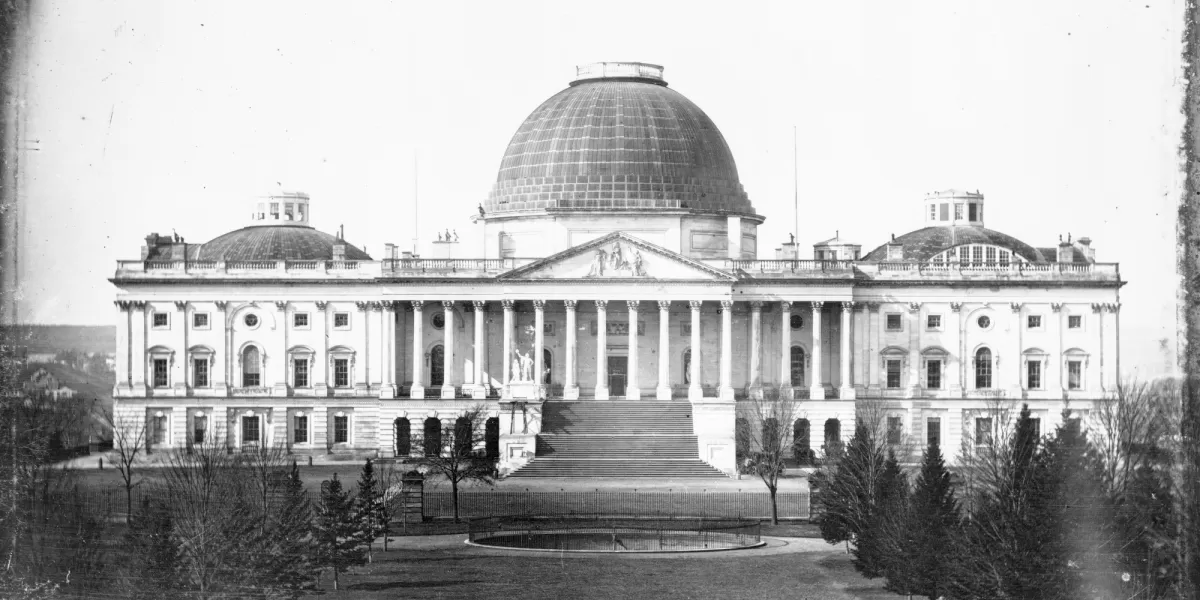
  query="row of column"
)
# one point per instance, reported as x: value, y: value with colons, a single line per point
x: 633, y: 389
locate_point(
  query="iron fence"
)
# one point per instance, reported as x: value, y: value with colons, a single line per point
x: 669, y: 504
x: 604, y: 533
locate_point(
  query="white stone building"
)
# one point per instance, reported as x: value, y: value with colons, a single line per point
x: 621, y: 264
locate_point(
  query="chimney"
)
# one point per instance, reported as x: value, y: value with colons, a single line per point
x: 1066, y: 252
x: 339, y: 250
x: 389, y: 251
x: 154, y: 248
x: 1085, y: 246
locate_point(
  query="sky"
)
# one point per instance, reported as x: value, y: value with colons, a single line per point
x: 154, y: 116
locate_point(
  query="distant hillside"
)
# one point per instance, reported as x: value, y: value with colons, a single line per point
x: 86, y: 385
x: 54, y: 338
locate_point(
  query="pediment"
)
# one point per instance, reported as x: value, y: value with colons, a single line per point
x: 618, y: 256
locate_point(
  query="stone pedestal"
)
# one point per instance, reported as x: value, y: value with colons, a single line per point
x: 524, y: 390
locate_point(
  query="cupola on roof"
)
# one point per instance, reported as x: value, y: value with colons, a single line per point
x: 618, y: 139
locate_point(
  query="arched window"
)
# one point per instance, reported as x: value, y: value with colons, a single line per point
x: 437, y: 364
x: 491, y: 438
x: 433, y: 437
x: 801, y: 440
x: 797, y: 362
x: 983, y: 369
x: 833, y: 432
x: 547, y: 364
x: 462, y: 436
x: 251, y: 367
x: 403, y: 436
x: 687, y: 367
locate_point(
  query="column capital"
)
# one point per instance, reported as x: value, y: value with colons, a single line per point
x: 956, y: 306
x: 122, y: 305
x: 281, y: 305
x: 1056, y: 306
x: 181, y: 304
x: 817, y: 305
x: 785, y: 305
x: 362, y: 306
x: 221, y: 304
x: 539, y: 304
x: 873, y: 307
x: 1114, y: 307
x: 417, y: 305
x: 1096, y: 308
x: 664, y: 305
x: 570, y: 304
x: 695, y: 304
x: 756, y: 305
x: 448, y: 304
x: 601, y: 304
x: 507, y: 304
x: 480, y: 305
x: 393, y: 305
x: 726, y: 304
x: 914, y: 307
x: 1015, y: 306
x: 848, y: 306
x: 633, y: 305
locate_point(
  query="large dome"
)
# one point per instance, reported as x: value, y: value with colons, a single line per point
x: 618, y: 139
x: 277, y: 242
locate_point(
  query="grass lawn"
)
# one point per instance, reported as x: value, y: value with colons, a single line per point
x: 454, y: 570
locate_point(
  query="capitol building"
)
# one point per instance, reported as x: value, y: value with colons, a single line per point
x: 622, y: 314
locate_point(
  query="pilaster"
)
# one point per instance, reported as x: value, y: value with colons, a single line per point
x: 874, y: 343
x: 280, y: 367
x: 913, y: 389
x: 954, y: 341
x: 1015, y: 390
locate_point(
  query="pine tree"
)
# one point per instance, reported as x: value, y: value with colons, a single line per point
x: 336, y: 531
x: 880, y: 543
x: 934, y: 526
x: 292, y: 536
x: 154, y: 553
x: 369, y: 509
x: 847, y: 488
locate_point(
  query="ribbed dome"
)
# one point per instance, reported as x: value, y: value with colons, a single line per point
x: 923, y: 244
x: 279, y: 242
x: 618, y: 143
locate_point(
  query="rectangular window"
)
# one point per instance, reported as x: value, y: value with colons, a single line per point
x: 160, y: 373
x: 1034, y: 321
x: 983, y: 431
x: 300, y: 372
x: 341, y: 320
x: 933, y: 322
x: 200, y: 320
x: 1037, y: 426
x: 250, y: 431
x: 976, y: 256
x: 161, y: 319
x: 300, y: 320
x: 972, y: 213
x: 1004, y: 258
x: 200, y: 372
x: 958, y: 211
x: 894, y: 428
x: 933, y: 432
x: 894, y: 322
x: 933, y: 375
x: 990, y: 255
x: 158, y: 429
x: 300, y: 430
x: 893, y: 374
x: 945, y: 212
x: 1035, y: 374
x: 341, y: 372
x: 1074, y: 321
x: 199, y: 429
x: 932, y: 212
x: 275, y: 210
x: 1074, y: 375
x: 341, y: 430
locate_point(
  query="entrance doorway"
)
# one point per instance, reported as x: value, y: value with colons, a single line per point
x: 618, y: 367
x: 437, y: 364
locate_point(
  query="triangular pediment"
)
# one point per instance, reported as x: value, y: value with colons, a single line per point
x: 618, y: 256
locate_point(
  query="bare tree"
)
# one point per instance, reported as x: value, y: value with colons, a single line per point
x: 129, y: 440
x: 460, y: 456
x: 391, y: 485
x: 764, y: 435
x: 267, y: 466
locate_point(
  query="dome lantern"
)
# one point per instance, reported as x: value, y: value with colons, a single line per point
x: 954, y: 208
x: 280, y: 207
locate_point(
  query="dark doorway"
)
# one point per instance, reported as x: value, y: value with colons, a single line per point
x: 547, y: 365
x: 618, y: 367
x: 833, y: 434
x: 433, y: 437
x: 491, y: 437
x: 801, y: 440
x: 437, y: 362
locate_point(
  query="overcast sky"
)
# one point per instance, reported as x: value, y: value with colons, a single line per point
x: 155, y: 116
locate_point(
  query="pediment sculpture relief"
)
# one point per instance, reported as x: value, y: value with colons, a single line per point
x: 615, y: 263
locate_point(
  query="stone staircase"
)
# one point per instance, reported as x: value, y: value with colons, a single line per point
x: 602, y: 438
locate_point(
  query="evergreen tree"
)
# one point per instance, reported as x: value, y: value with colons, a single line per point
x: 933, y: 527
x: 292, y: 558
x: 878, y: 548
x: 154, y: 554
x: 336, y: 531
x: 848, y: 486
x: 1148, y: 528
x: 369, y: 509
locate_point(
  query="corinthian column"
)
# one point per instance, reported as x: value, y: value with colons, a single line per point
x: 506, y: 361
x: 817, y: 392
x: 726, y: 390
x: 539, y: 343
x: 663, y: 392
x: 479, y: 390
x: 601, y: 350
x: 418, y: 386
x: 756, y: 390
x: 847, y: 391
x: 570, y: 383
x: 785, y: 350
x: 695, y: 392
x: 632, y: 392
